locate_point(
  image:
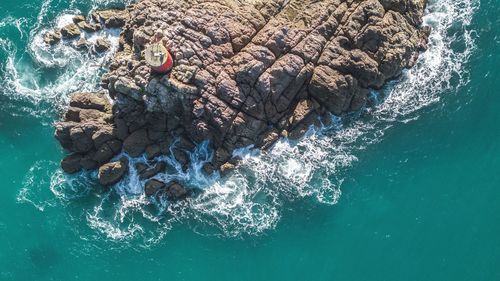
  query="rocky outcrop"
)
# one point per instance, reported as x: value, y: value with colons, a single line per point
x: 102, y: 45
x: 88, y: 132
x: 113, y: 18
x: 244, y: 74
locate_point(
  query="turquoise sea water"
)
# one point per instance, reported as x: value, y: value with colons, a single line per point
x: 409, y: 189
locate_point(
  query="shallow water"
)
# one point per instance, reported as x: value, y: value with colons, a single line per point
x: 405, y: 190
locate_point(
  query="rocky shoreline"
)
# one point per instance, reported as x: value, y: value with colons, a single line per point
x: 244, y: 74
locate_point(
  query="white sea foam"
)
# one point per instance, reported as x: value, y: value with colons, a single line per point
x: 75, y: 70
x: 250, y: 200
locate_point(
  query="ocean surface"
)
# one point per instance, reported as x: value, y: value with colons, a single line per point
x: 406, y: 189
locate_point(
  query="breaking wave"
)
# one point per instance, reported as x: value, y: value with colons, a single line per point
x: 249, y: 201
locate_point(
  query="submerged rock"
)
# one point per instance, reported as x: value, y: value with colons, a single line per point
x: 244, y: 74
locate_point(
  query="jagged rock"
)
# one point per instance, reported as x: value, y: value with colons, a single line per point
x: 112, y: 18
x: 81, y: 137
x: 87, y: 129
x: 70, y: 31
x: 245, y: 72
x: 102, y: 45
x: 52, y: 38
x: 76, y: 114
x: 103, y: 154
x: 112, y: 173
x: 269, y: 138
x: 115, y: 145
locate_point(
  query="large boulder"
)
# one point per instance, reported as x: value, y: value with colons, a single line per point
x: 153, y: 186
x: 112, y: 173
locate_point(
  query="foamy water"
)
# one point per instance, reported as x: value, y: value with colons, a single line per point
x: 251, y: 199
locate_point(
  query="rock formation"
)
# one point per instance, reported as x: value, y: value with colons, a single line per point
x: 245, y: 73
x: 107, y: 18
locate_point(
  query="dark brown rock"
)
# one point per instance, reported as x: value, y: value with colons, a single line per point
x: 90, y: 101
x: 244, y: 73
x: 103, y: 154
x: 153, y: 151
x: 146, y: 172
x: 176, y: 192
x: 136, y: 143
x: 104, y: 134
x: 88, y: 162
x: 71, y: 163
x: 153, y: 186
x: 121, y: 129
x: 112, y: 173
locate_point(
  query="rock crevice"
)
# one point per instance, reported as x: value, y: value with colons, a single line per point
x: 245, y: 73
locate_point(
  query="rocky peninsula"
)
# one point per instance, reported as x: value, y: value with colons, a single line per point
x: 245, y: 73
